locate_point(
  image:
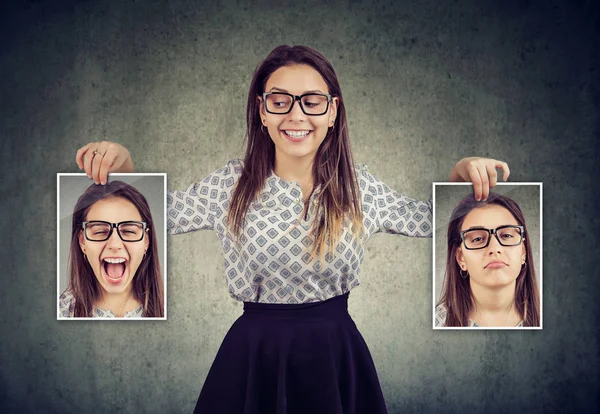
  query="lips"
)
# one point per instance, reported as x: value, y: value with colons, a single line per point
x: 496, y: 264
x: 296, y: 135
x: 114, y: 269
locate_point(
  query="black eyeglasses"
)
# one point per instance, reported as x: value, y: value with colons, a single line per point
x: 479, y: 238
x: 312, y: 104
x: 128, y: 231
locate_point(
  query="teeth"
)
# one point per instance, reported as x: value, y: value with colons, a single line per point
x: 111, y: 260
x: 297, y: 134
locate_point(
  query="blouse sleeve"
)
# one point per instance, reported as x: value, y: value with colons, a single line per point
x: 202, y: 205
x: 391, y: 211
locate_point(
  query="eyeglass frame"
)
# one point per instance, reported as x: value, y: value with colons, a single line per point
x: 299, y: 99
x: 115, y: 226
x: 495, y: 233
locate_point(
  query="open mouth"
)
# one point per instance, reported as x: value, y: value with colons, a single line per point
x: 114, y: 269
x: 296, y: 135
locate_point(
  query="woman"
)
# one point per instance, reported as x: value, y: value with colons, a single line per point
x: 114, y: 266
x: 293, y: 218
x: 490, y: 275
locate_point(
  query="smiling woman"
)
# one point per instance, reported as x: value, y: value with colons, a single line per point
x: 293, y: 218
x: 114, y: 270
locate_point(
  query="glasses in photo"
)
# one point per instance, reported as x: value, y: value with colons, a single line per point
x: 128, y: 231
x: 311, y: 103
x: 479, y: 238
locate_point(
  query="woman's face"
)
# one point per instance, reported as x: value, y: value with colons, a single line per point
x: 114, y: 277
x: 297, y: 135
x: 494, y: 266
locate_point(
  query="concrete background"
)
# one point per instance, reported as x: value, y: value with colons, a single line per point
x: 425, y: 83
x: 447, y: 197
x: 71, y: 187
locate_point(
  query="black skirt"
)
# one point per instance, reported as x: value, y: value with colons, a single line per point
x: 288, y: 359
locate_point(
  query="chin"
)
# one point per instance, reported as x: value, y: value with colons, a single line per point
x: 498, y: 283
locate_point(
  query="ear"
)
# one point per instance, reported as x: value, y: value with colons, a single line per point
x: 460, y: 259
x: 333, y: 111
x: 261, y: 106
x: 81, y: 241
x: 147, y: 240
x: 523, y: 252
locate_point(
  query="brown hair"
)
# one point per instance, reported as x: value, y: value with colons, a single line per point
x: 333, y: 167
x: 147, y: 282
x: 457, y: 296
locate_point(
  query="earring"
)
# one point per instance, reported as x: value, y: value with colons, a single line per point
x: 144, y: 256
x: 466, y: 274
x: 85, y: 257
x: 262, y: 128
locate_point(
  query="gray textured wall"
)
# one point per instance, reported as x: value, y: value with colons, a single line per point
x: 425, y: 83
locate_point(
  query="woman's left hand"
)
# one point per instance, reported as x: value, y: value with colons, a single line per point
x: 481, y: 172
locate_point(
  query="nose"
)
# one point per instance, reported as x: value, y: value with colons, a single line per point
x: 494, y: 246
x: 114, y: 241
x: 296, y: 113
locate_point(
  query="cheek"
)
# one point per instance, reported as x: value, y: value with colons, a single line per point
x: 472, y: 260
x: 136, y: 254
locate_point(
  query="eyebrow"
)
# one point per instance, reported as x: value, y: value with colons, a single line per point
x: 275, y: 88
x: 485, y: 228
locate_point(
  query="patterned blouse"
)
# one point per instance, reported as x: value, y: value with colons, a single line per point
x: 440, y: 319
x: 66, y: 307
x: 271, y: 261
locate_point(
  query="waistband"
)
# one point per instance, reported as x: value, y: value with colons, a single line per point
x: 337, y: 305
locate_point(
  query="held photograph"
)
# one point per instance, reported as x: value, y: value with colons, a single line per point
x: 111, y: 244
x: 487, y: 269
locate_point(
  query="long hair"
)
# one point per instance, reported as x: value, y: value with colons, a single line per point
x: 333, y: 166
x: 147, y: 282
x: 457, y: 296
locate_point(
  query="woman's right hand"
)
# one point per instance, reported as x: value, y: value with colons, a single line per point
x: 98, y: 159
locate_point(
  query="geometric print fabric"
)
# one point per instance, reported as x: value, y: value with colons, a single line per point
x: 440, y: 319
x: 270, y: 262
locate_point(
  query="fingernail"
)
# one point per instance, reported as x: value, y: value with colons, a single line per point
x: 102, y: 182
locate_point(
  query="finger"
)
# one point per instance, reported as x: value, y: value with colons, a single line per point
x: 492, y: 174
x: 108, y: 161
x: 505, y: 170
x: 80, y: 153
x: 475, y: 178
x: 485, y: 181
x: 96, y: 162
x: 87, y: 159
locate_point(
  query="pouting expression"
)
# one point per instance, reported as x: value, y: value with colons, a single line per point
x: 496, y: 265
x: 295, y: 134
x: 113, y: 261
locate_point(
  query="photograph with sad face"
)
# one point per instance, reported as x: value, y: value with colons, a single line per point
x: 114, y: 266
x: 490, y: 278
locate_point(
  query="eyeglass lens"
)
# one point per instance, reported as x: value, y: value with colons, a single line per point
x: 281, y: 103
x: 127, y: 231
x: 478, y: 238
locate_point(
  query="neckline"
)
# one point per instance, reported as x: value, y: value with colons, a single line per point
x: 133, y: 312
x: 286, y: 184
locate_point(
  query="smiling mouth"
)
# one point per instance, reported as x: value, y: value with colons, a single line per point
x: 296, y: 135
x: 114, y: 269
